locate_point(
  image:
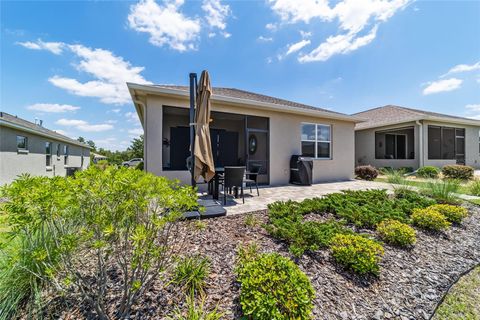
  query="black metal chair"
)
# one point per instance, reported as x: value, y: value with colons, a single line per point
x: 251, y: 177
x: 233, y: 178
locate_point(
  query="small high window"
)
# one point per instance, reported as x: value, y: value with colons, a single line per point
x: 22, y: 143
x: 316, y: 140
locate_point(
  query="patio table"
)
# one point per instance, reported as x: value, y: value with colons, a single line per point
x: 216, y: 181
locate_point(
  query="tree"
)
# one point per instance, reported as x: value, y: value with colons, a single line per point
x: 92, y: 145
x: 136, y: 147
x: 81, y: 139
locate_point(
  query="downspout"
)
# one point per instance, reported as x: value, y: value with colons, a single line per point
x: 144, y: 109
x: 420, y: 144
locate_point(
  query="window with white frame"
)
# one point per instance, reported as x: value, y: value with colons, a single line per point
x: 22, y: 143
x: 48, y: 154
x: 316, y: 140
x: 65, y: 153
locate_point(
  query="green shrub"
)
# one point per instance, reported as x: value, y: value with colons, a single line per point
x: 406, y: 169
x: 408, y: 199
x: 428, y: 172
x: 195, y: 311
x: 139, y: 166
x: 430, y: 219
x: 190, y: 273
x: 272, y: 287
x: 251, y: 220
x: 454, y: 214
x: 395, y: 176
x: 474, y: 188
x: 442, y: 191
x: 357, y: 253
x: 396, y: 233
x: 368, y: 173
x: 458, y: 172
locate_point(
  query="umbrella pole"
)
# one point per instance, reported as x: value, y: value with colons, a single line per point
x: 193, y: 90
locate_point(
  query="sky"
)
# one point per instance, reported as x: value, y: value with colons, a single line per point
x: 67, y: 62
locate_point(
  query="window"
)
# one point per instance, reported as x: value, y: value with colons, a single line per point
x: 316, y: 140
x: 81, y: 163
x: 65, y: 152
x: 22, y: 143
x: 446, y: 143
x: 58, y: 151
x: 48, y: 154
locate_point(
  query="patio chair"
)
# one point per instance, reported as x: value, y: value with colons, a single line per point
x: 252, y: 177
x: 233, y: 178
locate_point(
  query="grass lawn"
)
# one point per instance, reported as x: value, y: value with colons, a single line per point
x: 462, y: 300
x: 463, y: 189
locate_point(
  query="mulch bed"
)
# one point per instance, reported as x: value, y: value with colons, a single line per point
x: 410, y: 284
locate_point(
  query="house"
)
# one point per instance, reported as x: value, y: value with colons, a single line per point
x: 26, y: 147
x: 246, y: 128
x: 97, y: 157
x: 396, y: 137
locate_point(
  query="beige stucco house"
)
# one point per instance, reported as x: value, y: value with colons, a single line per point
x: 395, y: 137
x: 26, y: 147
x: 279, y: 129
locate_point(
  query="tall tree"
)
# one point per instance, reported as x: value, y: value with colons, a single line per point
x: 81, y: 139
x: 136, y: 147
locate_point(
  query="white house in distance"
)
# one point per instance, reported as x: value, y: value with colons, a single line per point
x: 396, y: 137
x: 279, y: 129
x: 26, y: 147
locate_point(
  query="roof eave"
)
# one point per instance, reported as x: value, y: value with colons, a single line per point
x: 133, y: 87
x: 471, y: 122
x: 39, y: 133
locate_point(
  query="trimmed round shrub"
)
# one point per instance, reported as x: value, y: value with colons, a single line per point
x: 457, y: 172
x: 428, y: 172
x: 396, y: 233
x: 368, y: 173
x: 430, y: 219
x: 273, y: 287
x: 357, y: 253
x: 454, y: 214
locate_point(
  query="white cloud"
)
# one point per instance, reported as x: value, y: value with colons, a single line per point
x: 110, y: 72
x: 463, y: 68
x: 341, y: 44
x: 136, y: 132
x: 52, y: 107
x: 442, y: 86
x: 112, y: 143
x: 116, y: 110
x: 265, y: 39
x: 84, y: 125
x: 354, y: 16
x: 132, y: 117
x: 216, y: 14
x: 297, y: 46
x: 473, y: 111
x: 305, y: 34
x: 53, y: 47
x: 165, y: 24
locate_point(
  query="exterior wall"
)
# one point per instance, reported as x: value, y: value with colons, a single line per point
x: 285, y: 140
x: 472, y: 152
x: 14, y: 163
x: 365, y: 148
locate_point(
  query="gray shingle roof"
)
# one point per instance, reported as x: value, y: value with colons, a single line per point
x: 19, y: 122
x: 390, y: 114
x: 241, y: 94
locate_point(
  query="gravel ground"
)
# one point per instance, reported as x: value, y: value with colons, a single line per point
x: 410, y: 284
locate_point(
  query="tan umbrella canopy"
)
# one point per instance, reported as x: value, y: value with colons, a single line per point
x: 204, y: 165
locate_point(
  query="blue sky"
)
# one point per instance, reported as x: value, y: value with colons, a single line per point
x: 67, y: 62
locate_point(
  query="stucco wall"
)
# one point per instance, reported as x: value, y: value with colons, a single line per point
x: 284, y: 141
x: 14, y: 163
x: 365, y: 149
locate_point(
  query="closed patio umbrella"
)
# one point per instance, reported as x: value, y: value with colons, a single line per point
x: 204, y: 165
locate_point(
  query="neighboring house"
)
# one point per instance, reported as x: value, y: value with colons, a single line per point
x: 394, y: 136
x: 98, y: 157
x: 26, y: 147
x: 246, y: 129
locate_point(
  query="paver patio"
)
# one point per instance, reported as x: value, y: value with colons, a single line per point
x: 293, y: 192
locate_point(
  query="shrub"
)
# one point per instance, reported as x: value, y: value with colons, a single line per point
x: 396, y: 233
x: 395, y: 176
x: 408, y: 200
x: 430, y: 219
x: 406, y: 169
x: 139, y: 166
x: 474, y: 188
x: 458, y: 172
x: 428, y: 172
x: 272, y: 287
x: 368, y: 173
x: 442, y: 191
x: 190, y: 273
x: 453, y: 214
x: 357, y: 253
x: 196, y: 311
x: 251, y: 220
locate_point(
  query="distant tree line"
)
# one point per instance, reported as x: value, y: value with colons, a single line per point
x: 135, y: 150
